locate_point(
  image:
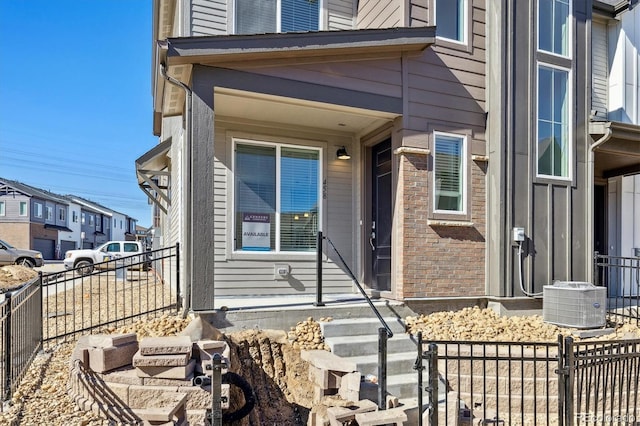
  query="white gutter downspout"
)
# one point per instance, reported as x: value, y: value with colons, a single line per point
x: 590, y: 186
x: 187, y: 249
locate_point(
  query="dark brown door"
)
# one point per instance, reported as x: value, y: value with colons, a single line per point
x: 381, y: 216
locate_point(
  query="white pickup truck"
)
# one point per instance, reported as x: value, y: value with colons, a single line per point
x: 85, y: 260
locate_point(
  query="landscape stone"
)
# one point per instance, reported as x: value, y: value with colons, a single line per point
x: 328, y: 361
x: 199, y: 329
x: 376, y: 418
x: 150, y: 396
x: 205, y: 349
x: 109, y: 358
x: 199, y: 397
x: 340, y: 415
x: 169, y: 345
x: 177, y: 360
x: 167, y: 372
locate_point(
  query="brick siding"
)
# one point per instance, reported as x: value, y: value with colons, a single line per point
x: 439, y: 261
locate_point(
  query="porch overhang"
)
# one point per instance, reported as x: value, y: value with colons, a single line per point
x: 616, y: 148
x: 346, y: 45
x: 153, y: 176
x: 179, y: 55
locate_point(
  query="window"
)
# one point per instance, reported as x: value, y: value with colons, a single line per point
x: 38, y: 209
x: 277, y: 198
x: 112, y: 247
x: 449, y: 173
x: 553, y: 122
x: 2, y: 208
x: 49, y: 214
x: 23, y: 208
x: 120, y: 224
x: 62, y: 215
x: 91, y: 220
x: 98, y: 223
x: 107, y: 223
x: 115, y: 224
x: 554, y: 26
x: 130, y: 247
x: 84, y: 219
x: 270, y: 16
x: 451, y: 19
x: 74, y: 217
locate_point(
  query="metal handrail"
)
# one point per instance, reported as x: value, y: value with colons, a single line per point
x: 355, y: 280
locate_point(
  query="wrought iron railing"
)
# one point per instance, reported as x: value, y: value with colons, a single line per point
x: 110, y: 294
x: 621, y: 277
x: 21, y: 333
x: 384, y: 333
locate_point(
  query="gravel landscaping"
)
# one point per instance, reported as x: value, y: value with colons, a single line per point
x: 269, y: 360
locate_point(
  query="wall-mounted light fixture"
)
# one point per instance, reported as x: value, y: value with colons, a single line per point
x: 342, y: 154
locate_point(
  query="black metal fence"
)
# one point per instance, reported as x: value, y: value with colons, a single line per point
x: 529, y: 383
x: 110, y: 294
x: 621, y: 277
x: 21, y: 333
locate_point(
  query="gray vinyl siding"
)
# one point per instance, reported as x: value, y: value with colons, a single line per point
x: 340, y: 14
x: 12, y: 208
x: 379, y: 14
x: 212, y: 17
x: 447, y: 84
x: 236, y: 275
x: 373, y: 76
x: 209, y: 17
x: 599, y: 68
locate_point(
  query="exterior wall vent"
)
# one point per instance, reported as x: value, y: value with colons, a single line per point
x: 574, y: 304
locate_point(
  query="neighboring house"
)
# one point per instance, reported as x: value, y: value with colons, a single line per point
x: 34, y: 219
x: 117, y: 226
x: 615, y: 127
x: 95, y: 222
x: 461, y: 125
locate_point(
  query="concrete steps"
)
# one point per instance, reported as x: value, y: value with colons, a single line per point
x: 356, y: 339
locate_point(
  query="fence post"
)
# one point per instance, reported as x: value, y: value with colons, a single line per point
x: 318, y: 301
x: 433, y: 384
x: 178, y: 303
x: 382, y: 368
x: 568, y: 385
x: 7, y: 350
x: 420, y: 369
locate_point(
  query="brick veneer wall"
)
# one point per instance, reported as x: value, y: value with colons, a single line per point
x: 439, y: 261
x: 39, y: 231
x: 16, y: 234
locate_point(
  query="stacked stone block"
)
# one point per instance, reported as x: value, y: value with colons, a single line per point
x: 165, y: 358
x: 157, y: 390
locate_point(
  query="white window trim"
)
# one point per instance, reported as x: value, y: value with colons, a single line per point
x: 278, y: 146
x: 569, y: 177
x: 322, y: 19
x: 36, y: 213
x: 569, y: 54
x: 3, y: 210
x: 465, y: 24
x: 463, y: 167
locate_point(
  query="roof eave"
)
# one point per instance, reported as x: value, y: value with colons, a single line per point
x: 231, y: 48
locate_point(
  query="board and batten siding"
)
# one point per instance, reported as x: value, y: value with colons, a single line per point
x: 599, y: 69
x: 239, y: 276
x: 211, y: 17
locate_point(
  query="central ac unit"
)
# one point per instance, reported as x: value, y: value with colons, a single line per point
x: 574, y: 304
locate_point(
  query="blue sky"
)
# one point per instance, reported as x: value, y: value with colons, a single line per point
x: 75, y: 98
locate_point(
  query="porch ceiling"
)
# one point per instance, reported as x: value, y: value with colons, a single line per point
x: 616, y: 148
x: 231, y: 103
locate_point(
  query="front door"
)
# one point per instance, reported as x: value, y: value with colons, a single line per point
x: 381, y: 216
